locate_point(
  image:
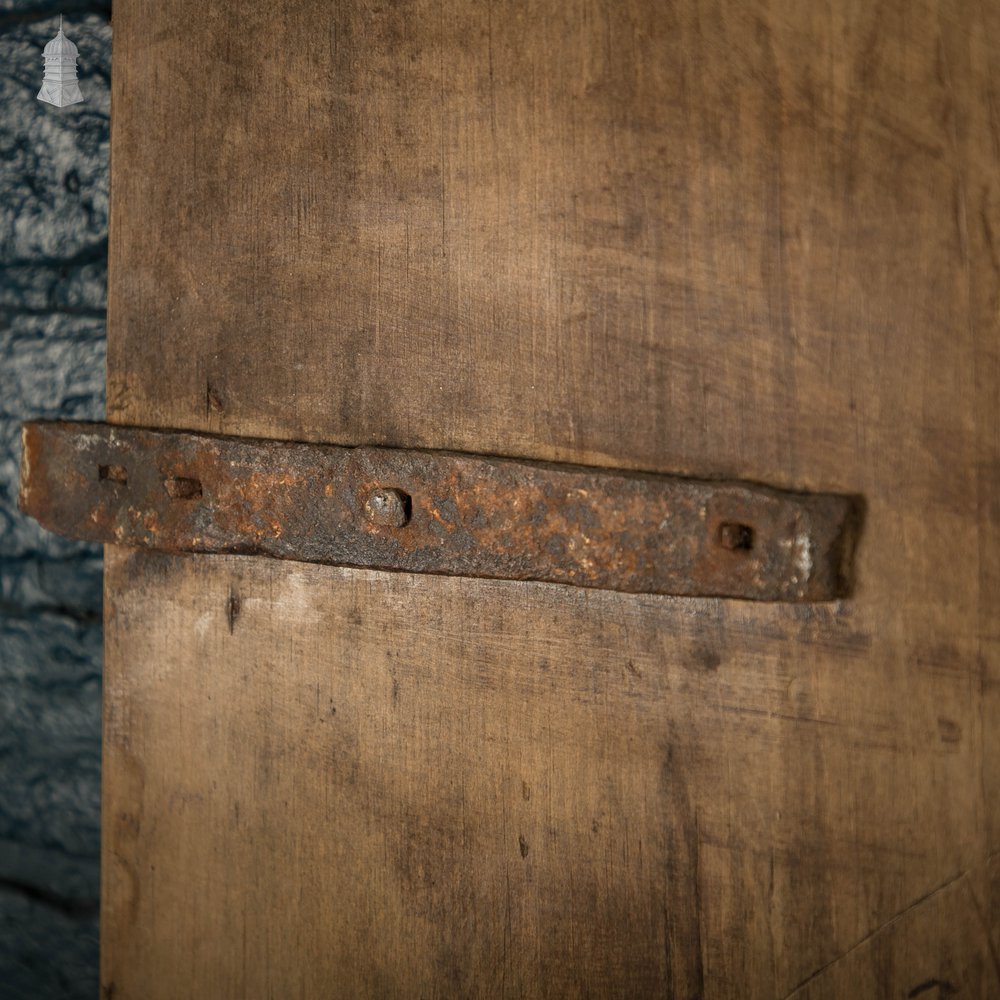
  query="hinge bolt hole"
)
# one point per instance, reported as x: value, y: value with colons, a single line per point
x: 113, y: 474
x: 736, y: 537
x: 182, y: 488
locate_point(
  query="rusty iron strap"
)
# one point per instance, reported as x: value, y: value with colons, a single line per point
x: 436, y: 512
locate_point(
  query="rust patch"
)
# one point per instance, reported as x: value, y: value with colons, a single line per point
x: 437, y: 512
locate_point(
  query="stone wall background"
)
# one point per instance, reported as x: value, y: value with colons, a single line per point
x: 53, y: 271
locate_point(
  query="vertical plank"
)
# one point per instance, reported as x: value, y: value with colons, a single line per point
x: 732, y: 239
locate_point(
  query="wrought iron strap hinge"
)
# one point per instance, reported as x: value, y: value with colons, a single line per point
x: 437, y: 512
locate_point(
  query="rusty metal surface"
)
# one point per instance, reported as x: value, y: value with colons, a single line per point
x: 436, y: 512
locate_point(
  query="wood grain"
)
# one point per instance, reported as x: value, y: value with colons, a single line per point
x: 758, y: 240
x: 365, y: 784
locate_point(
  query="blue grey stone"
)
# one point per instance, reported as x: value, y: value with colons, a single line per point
x: 53, y: 276
x: 48, y: 951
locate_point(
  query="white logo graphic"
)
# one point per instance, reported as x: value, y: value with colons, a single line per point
x: 59, y: 86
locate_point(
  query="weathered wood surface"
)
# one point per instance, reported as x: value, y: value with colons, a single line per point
x: 745, y: 239
x: 331, y: 782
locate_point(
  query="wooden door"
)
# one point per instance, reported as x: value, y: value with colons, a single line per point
x: 743, y: 239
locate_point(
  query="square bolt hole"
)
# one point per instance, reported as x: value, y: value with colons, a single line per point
x: 736, y: 537
x: 113, y: 474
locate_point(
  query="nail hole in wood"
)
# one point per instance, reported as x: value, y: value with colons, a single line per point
x: 113, y: 474
x: 213, y: 401
x: 736, y: 537
x: 233, y: 608
x: 182, y: 488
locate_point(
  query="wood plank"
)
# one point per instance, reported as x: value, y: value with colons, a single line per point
x: 720, y: 237
x: 391, y: 785
x: 756, y: 240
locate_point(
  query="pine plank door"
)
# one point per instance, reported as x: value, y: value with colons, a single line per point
x: 756, y: 240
